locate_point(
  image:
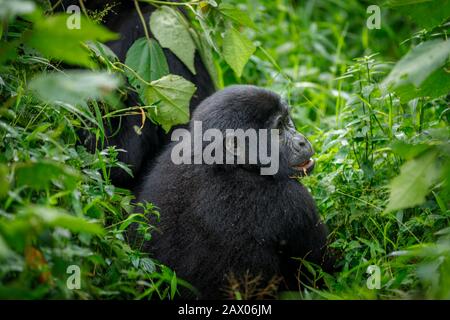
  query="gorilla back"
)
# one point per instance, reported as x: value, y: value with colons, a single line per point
x: 224, y: 219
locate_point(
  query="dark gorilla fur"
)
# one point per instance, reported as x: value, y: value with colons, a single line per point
x: 225, y: 219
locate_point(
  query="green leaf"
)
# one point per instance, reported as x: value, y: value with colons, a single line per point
x: 132, y: 218
x: 418, y: 65
x: 172, y: 31
x: 409, y: 151
x: 426, y: 13
x: 237, y: 49
x: 55, y: 217
x: 173, y: 286
x: 172, y: 94
x: 73, y: 87
x: 53, y: 39
x: 40, y: 175
x: 147, y: 265
x: 147, y: 59
x: 435, y: 86
x: 9, y: 9
x: 236, y: 15
x: 102, y: 51
x: 413, y: 184
x: 206, y: 54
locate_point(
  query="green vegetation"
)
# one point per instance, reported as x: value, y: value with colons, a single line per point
x: 374, y: 102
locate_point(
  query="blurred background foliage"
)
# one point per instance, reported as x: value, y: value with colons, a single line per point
x: 374, y: 102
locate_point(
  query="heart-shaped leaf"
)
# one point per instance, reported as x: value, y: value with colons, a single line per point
x: 147, y: 59
x: 237, y: 49
x: 171, y: 95
x: 172, y: 31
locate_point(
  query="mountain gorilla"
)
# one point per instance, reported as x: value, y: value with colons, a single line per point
x: 224, y: 219
x: 140, y: 149
x: 217, y: 220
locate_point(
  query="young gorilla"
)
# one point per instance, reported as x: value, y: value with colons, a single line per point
x: 226, y: 219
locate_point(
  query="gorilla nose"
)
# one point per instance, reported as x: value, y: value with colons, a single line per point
x: 303, y: 143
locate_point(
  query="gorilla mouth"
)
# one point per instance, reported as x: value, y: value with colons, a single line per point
x: 305, y: 167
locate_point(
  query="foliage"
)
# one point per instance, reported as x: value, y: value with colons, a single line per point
x: 381, y: 134
x: 380, y: 130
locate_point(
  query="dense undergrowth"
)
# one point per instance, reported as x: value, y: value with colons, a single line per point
x: 374, y: 102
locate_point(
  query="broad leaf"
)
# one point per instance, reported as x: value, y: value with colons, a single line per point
x: 413, y: 184
x: 171, y: 95
x: 147, y: 59
x: 40, y: 175
x: 172, y: 31
x: 409, y: 151
x: 74, y: 87
x: 53, y: 39
x: 436, y: 85
x: 55, y: 217
x: 419, y: 64
x: 237, y: 49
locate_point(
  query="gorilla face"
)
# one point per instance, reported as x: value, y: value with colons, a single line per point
x: 249, y: 107
x: 296, y: 146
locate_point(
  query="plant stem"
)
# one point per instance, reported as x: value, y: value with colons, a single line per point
x: 144, y: 24
x: 168, y: 3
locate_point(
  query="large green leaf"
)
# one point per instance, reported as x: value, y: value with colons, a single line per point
x: 52, y: 38
x: 74, y: 87
x: 436, y: 85
x: 147, y: 59
x: 413, y: 184
x: 237, y: 49
x: 426, y: 13
x: 171, y: 95
x: 40, y: 175
x: 172, y: 31
x: 55, y: 217
x: 419, y: 64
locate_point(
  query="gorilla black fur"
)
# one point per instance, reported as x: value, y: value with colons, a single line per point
x: 222, y: 219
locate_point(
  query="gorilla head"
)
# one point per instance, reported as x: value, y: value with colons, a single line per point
x: 219, y: 219
x: 250, y: 107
